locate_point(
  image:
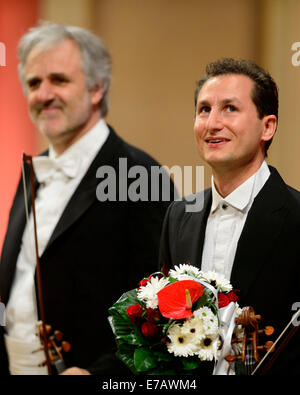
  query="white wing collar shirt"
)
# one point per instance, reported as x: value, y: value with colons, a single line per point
x: 226, y: 221
x: 59, y: 177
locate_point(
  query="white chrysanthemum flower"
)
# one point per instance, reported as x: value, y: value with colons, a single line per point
x: 217, y: 280
x: 209, y: 320
x: 208, y: 348
x: 148, y: 293
x: 183, y: 270
x: 181, y: 344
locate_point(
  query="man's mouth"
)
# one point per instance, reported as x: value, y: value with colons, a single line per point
x: 49, y: 111
x: 213, y: 142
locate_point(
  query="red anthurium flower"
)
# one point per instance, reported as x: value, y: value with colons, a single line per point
x: 176, y: 299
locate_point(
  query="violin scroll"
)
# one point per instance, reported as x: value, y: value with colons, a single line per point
x: 250, y: 349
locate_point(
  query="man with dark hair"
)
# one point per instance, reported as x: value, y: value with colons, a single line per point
x: 249, y: 227
x: 91, y: 248
x: 264, y: 93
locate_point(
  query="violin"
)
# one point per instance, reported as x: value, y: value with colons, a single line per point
x: 53, y: 351
x: 56, y: 347
x: 247, y: 348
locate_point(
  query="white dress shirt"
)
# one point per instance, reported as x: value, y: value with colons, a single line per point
x: 226, y: 221
x: 51, y: 200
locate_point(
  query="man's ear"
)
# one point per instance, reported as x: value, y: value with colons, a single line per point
x: 96, y: 94
x: 269, y: 127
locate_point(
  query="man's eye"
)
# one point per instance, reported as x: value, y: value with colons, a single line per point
x: 230, y: 108
x: 204, y: 109
x: 33, y: 84
x: 59, y: 79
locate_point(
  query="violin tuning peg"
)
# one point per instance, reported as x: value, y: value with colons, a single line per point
x: 230, y: 358
x: 37, y: 350
x: 58, y: 335
x: 269, y: 330
x: 66, y: 346
x: 268, y: 346
x: 48, y: 329
x: 258, y: 318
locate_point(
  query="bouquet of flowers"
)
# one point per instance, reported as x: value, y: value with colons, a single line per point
x: 174, y: 321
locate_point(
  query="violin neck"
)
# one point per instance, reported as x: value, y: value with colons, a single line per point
x: 250, y: 361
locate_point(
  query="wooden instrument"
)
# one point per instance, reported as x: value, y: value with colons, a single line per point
x: 250, y: 348
x: 53, y: 353
x: 56, y: 348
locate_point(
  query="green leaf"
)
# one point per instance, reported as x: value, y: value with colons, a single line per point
x: 125, y: 331
x: 126, y: 354
x: 127, y: 299
x: 164, y: 372
x: 190, y: 364
x: 163, y: 356
x: 172, y: 279
x: 144, y: 360
x: 204, y: 300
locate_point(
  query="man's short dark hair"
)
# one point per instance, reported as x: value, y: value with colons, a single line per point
x: 264, y: 94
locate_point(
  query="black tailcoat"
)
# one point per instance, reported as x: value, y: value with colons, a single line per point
x: 266, y: 267
x: 97, y: 251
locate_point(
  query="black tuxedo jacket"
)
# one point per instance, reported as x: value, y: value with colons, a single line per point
x: 97, y: 251
x: 266, y: 267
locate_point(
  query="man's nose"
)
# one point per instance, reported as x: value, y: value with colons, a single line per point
x: 214, y: 120
x: 45, y: 92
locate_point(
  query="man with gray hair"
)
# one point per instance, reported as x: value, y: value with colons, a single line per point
x: 90, y: 250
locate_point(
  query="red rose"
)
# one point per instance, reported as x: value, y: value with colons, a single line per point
x: 134, y: 313
x: 149, y: 329
x: 225, y: 299
x: 222, y: 300
x: 232, y: 296
x: 165, y: 271
x: 153, y: 315
x: 144, y: 282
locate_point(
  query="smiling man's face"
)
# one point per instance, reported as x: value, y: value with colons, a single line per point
x: 228, y: 131
x: 59, y: 101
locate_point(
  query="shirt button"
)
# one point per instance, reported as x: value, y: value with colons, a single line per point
x: 224, y: 206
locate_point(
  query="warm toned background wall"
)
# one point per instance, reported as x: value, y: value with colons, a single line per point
x: 159, y: 50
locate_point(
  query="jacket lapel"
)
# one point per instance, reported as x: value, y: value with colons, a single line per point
x: 192, y: 233
x: 262, y: 227
x: 14, y: 234
x: 85, y: 194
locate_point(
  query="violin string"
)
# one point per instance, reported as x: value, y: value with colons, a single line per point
x: 295, y: 316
